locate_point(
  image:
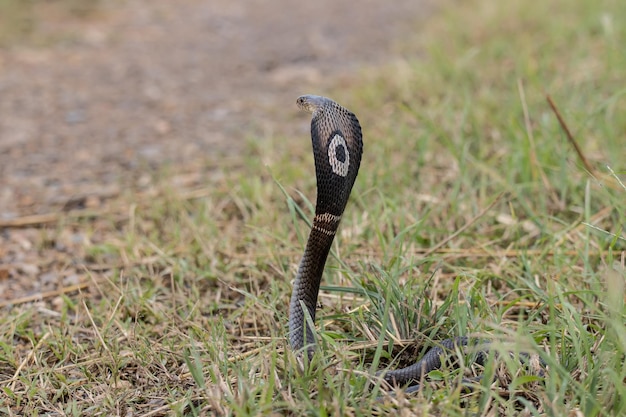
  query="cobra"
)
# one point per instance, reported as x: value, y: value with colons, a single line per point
x: 337, y: 148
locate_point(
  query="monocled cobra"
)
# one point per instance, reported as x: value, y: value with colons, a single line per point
x: 337, y: 148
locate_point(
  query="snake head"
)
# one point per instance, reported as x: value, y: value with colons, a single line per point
x: 311, y: 103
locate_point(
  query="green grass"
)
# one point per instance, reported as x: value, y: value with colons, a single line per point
x: 189, y: 316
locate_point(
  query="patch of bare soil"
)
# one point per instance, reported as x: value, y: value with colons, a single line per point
x: 147, y: 84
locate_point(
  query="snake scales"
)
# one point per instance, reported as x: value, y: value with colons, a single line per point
x: 337, y: 148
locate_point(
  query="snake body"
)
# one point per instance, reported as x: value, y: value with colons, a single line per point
x: 337, y: 148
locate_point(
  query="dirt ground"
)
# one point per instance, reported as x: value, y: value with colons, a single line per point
x: 143, y: 84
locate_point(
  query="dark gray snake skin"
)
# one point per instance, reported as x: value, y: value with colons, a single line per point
x: 337, y: 148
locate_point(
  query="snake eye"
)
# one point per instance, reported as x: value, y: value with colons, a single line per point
x: 301, y: 103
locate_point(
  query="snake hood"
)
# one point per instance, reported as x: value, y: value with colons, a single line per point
x: 337, y: 147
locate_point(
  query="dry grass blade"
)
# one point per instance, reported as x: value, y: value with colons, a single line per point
x: 30, y: 356
x: 44, y: 295
x: 531, y: 139
x: 465, y: 226
x: 570, y: 137
x: 50, y: 218
x: 36, y: 220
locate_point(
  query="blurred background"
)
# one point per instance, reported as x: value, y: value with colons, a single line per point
x: 94, y: 94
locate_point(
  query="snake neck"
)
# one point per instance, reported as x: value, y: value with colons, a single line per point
x: 307, y: 283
